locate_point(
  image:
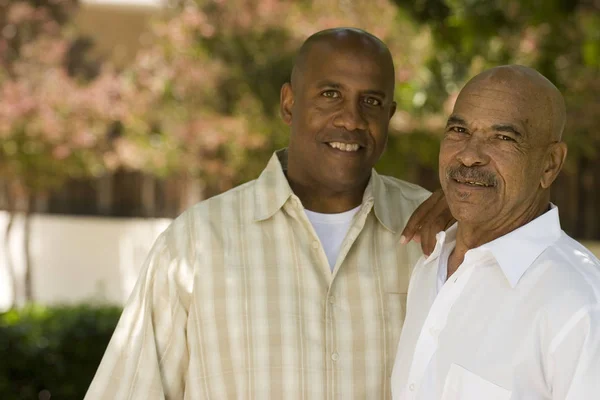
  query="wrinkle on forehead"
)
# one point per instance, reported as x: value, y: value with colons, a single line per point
x: 538, y: 100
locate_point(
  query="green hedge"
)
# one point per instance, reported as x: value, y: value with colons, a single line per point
x: 52, y: 352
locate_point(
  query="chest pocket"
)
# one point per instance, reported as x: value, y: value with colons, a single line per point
x: 462, y: 384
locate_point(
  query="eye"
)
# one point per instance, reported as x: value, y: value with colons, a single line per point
x: 372, y: 101
x: 505, y: 138
x: 457, y: 129
x: 332, y: 94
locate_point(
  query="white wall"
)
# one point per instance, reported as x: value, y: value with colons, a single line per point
x: 86, y: 259
x: 79, y: 258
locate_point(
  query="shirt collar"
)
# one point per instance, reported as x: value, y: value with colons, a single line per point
x: 272, y: 191
x: 376, y: 194
x: 515, y: 251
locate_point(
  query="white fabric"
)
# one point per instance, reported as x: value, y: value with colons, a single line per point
x: 443, y: 268
x: 331, y: 230
x: 519, y: 319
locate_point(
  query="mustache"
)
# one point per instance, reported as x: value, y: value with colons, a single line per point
x: 463, y: 173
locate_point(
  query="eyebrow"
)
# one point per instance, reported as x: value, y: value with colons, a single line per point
x: 453, y: 119
x: 335, y: 85
x: 507, y: 128
x: 328, y: 83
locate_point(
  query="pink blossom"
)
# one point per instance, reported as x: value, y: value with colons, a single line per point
x: 20, y: 12
x: 61, y: 152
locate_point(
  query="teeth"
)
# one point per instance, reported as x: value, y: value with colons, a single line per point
x: 344, y: 146
x: 475, y: 183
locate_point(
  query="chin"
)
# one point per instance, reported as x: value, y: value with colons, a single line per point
x: 471, y: 214
x: 344, y: 183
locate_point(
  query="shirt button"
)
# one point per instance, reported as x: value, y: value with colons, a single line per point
x: 434, y: 331
x: 331, y: 299
x: 315, y: 244
x: 411, y: 387
x: 335, y: 356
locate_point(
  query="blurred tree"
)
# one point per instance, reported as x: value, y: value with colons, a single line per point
x: 201, y: 99
x: 217, y: 68
x: 561, y: 39
x: 55, y: 106
x: 212, y: 74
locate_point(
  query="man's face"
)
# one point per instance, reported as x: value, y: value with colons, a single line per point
x: 493, y: 154
x: 339, y: 110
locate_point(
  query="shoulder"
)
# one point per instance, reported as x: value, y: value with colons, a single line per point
x: 573, y: 266
x: 401, y: 189
x: 569, y: 280
x: 205, y: 221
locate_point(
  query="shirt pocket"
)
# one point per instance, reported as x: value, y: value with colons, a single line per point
x: 462, y: 384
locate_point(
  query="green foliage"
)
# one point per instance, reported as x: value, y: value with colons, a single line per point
x: 201, y: 99
x: 54, y: 349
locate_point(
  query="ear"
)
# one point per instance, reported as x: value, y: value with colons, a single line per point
x: 555, y: 159
x: 392, y: 110
x: 286, y: 102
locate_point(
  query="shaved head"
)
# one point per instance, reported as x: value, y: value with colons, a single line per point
x: 338, y: 106
x: 342, y: 38
x: 544, y: 101
x: 502, y: 151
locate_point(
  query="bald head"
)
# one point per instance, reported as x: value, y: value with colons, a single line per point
x: 338, y: 106
x: 501, y: 151
x: 543, y: 101
x: 340, y: 39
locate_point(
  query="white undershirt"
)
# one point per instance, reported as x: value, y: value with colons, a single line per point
x: 331, y: 230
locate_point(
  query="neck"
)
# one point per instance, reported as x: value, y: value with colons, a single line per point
x: 327, y: 201
x: 470, y: 236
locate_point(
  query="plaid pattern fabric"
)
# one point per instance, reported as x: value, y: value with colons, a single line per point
x: 237, y: 301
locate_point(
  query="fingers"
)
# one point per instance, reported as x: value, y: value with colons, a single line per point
x: 428, y: 236
x: 419, y: 216
x: 428, y: 219
x: 441, y: 219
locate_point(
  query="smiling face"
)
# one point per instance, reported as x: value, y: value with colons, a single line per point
x: 501, y: 150
x: 338, y: 105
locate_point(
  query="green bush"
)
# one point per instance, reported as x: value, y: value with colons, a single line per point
x: 52, y: 352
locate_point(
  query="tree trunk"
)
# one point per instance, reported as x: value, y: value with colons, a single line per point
x: 29, y: 203
x: 104, y: 196
x: 12, y: 276
x: 148, y: 196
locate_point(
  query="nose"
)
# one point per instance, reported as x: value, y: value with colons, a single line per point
x: 473, y: 153
x: 351, y: 117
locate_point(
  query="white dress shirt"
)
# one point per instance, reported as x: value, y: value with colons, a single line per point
x: 519, y: 319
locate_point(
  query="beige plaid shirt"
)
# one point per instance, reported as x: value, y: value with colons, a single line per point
x: 237, y: 301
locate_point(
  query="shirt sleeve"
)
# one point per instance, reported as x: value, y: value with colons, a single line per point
x: 575, y: 357
x: 147, y: 356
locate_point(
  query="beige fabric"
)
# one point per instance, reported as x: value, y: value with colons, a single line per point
x: 237, y: 301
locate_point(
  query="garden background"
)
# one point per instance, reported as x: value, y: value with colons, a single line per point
x: 116, y: 115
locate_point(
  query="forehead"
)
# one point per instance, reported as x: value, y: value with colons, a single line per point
x: 365, y: 68
x: 489, y: 103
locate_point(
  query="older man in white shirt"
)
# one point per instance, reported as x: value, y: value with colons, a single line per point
x: 508, y: 305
